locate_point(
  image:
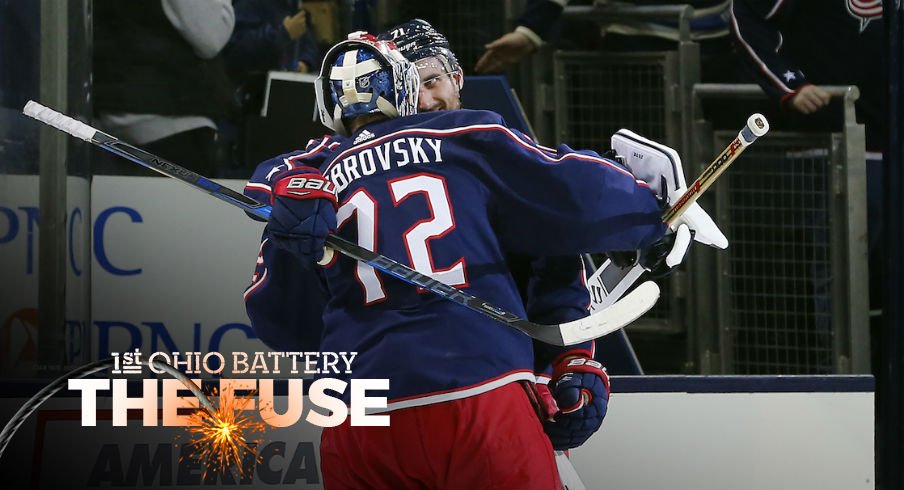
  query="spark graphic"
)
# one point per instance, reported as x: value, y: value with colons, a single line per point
x: 221, y: 438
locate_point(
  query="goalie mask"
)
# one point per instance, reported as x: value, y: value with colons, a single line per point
x: 362, y: 76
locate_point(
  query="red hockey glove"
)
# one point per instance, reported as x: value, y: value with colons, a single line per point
x: 580, y: 386
x: 541, y: 400
x: 303, y: 214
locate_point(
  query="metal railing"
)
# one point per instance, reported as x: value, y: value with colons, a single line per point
x: 791, y: 292
x: 594, y: 94
x: 609, y: 14
x: 789, y: 295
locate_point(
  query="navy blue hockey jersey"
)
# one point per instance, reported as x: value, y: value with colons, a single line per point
x: 791, y: 43
x: 449, y: 194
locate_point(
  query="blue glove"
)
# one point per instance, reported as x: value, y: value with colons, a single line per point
x: 304, y: 213
x: 580, y: 387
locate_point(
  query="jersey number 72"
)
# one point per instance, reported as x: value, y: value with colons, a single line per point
x: 361, y: 204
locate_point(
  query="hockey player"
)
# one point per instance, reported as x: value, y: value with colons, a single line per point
x: 440, y: 73
x: 553, y: 288
x: 451, y: 192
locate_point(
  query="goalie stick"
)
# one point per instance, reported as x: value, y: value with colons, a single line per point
x: 609, y: 282
x: 596, y: 325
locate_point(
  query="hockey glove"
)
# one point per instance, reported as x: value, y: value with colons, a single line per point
x: 580, y: 387
x: 660, y: 258
x: 660, y: 167
x: 303, y: 214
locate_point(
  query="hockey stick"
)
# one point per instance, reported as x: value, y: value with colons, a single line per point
x: 609, y: 282
x: 613, y: 318
x: 38, y: 399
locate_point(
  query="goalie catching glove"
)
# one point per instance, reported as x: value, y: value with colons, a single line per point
x: 304, y: 214
x: 580, y: 387
x: 660, y: 258
x: 660, y: 167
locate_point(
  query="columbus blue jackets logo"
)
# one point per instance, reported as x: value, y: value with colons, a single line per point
x: 864, y: 11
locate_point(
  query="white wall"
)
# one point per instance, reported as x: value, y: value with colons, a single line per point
x: 195, y: 255
x: 717, y: 441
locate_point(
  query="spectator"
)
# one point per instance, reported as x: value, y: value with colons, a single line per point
x: 792, y: 48
x: 159, y: 79
x: 268, y: 35
x: 540, y: 24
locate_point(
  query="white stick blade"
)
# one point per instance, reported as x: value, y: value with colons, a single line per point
x: 62, y: 122
x: 620, y: 314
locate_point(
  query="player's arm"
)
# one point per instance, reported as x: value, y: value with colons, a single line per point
x: 285, y: 300
x: 573, y: 389
x: 556, y: 293
x: 557, y: 290
x: 755, y: 26
x: 260, y: 185
x: 560, y: 202
x: 538, y: 24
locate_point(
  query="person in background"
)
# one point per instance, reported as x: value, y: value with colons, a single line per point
x: 268, y: 35
x: 792, y: 49
x: 540, y: 24
x: 160, y: 80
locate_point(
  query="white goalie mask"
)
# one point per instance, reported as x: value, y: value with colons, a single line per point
x: 364, y: 76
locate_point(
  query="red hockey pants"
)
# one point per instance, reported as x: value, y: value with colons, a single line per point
x: 489, y: 441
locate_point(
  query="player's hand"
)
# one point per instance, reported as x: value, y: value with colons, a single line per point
x: 580, y: 387
x: 660, y: 258
x: 504, y: 51
x: 303, y: 214
x: 296, y: 25
x: 809, y: 99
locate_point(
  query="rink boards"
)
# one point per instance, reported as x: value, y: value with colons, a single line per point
x: 715, y: 435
